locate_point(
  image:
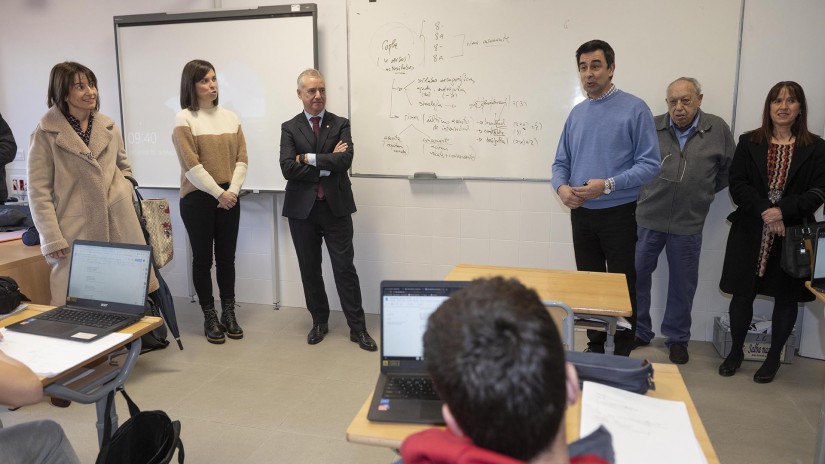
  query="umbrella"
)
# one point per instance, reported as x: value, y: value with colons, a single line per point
x: 163, y: 299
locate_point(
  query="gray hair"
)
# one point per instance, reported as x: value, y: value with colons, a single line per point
x: 310, y: 73
x: 696, y: 84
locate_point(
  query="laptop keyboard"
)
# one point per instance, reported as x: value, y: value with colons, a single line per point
x: 87, y: 318
x: 410, y: 387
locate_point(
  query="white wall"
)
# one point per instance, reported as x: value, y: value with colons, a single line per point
x: 403, y: 229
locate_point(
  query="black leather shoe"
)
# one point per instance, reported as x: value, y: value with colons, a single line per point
x: 363, y: 339
x: 679, y: 354
x: 767, y: 371
x: 731, y: 363
x: 637, y: 342
x: 316, y: 335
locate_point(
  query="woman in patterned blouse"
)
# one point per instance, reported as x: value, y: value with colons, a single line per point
x: 77, y: 166
x: 777, y: 180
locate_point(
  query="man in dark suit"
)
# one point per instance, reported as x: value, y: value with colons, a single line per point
x: 316, y: 153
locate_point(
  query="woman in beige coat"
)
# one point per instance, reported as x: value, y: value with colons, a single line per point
x: 76, y: 166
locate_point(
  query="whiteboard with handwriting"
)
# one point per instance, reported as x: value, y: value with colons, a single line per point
x: 481, y: 88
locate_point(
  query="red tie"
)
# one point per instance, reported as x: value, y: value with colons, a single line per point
x: 316, y: 128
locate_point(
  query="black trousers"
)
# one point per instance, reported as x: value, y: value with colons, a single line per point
x: 308, y: 235
x: 604, y: 240
x: 210, y: 227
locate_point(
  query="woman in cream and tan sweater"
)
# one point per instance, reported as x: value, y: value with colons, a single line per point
x: 212, y: 153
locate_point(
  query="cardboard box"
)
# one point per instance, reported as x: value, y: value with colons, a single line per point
x: 756, y: 345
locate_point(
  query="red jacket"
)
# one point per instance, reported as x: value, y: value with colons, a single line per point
x: 436, y: 446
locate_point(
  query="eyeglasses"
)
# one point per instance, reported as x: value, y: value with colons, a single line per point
x: 673, y: 167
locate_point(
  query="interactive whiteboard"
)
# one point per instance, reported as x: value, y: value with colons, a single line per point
x: 257, y: 54
x: 481, y: 88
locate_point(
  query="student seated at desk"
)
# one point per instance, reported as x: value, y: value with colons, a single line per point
x: 497, y: 361
x: 38, y: 442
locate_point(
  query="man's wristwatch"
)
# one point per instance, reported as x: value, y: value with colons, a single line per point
x: 303, y: 158
x: 609, y: 186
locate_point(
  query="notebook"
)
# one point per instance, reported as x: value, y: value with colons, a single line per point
x: 404, y: 391
x: 818, y: 272
x: 107, y: 290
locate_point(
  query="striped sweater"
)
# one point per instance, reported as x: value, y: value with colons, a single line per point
x: 211, y: 150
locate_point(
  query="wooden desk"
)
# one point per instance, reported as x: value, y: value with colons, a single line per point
x: 820, y: 441
x: 592, y: 294
x: 105, y: 376
x: 27, y: 266
x: 669, y: 385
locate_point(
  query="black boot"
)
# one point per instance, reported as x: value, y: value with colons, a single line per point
x: 233, y: 330
x: 211, y: 327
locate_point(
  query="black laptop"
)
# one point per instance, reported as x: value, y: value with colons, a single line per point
x: 404, y: 392
x: 818, y: 271
x: 107, y: 291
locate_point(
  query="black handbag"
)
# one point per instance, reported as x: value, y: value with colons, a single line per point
x: 10, y: 295
x: 795, y: 258
x: 148, y: 437
x: 634, y: 375
x: 796, y: 250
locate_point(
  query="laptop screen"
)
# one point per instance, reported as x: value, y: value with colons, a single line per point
x: 405, y: 307
x: 111, y: 276
x: 819, y: 260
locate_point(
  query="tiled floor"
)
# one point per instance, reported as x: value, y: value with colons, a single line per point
x: 271, y: 398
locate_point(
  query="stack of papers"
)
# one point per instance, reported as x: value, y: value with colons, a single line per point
x: 644, y: 429
x: 49, y: 357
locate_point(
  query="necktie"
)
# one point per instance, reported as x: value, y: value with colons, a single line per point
x: 316, y: 128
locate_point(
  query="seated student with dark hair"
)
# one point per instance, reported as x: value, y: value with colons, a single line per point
x: 497, y: 361
x: 38, y: 442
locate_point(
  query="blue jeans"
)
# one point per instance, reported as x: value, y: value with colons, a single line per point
x: 683, y: 262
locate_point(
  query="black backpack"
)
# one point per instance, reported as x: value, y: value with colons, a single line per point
x: 148, y: 437
x: 10, y: 295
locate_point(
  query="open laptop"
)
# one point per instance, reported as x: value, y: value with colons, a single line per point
x: 404, y: 391
x: 107, y: 291
x: 818, y: 268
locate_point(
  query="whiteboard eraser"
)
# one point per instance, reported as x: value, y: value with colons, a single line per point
x: 424, y: 175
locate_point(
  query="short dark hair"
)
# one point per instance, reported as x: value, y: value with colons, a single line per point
x: 592, y: 46
x: 193, y: 71
x: 799, y: 128
x: 61, y: 80
x: 497, y: 360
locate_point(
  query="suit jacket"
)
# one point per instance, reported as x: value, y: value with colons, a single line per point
x: 296, y: 138
x: 749, y: 190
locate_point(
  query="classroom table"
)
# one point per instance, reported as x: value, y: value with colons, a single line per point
x: 597, y: 295
x: 669, y: 385
x: 27, y: 266
x: 820, y: 441
x: 109, y: 370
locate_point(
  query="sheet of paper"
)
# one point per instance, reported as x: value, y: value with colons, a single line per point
x: 49, y: 356
x: 644, y: 429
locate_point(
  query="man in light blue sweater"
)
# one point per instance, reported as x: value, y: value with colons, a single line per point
x: 607, y: 150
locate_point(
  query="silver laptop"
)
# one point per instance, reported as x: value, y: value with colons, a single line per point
x: 818, y: 271
x: 107, y: 290
x: 404, y: 391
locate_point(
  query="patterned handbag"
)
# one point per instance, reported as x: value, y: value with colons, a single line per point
x: 157, y: 226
